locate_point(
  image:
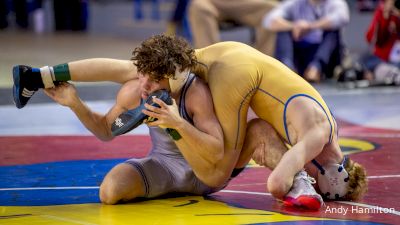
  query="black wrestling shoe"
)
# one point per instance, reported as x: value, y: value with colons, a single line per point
x: 26, y: 82
x: 131, y: 119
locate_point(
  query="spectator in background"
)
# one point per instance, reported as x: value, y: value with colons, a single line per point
x: 21, y: 13
x: 205, y: 16
x: 382, y: 66
x: 309, y: 37
x: 70, y: 14
x: 366, y: 5
x: 20, y: 7
x: 3, y: 14
x: 177, y: 18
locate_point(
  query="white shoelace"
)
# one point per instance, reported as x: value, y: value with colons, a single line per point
x: 303, y: 183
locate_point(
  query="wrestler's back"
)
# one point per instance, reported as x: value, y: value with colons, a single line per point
x: 245, y: 74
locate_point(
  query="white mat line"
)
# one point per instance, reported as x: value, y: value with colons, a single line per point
x: 63, y: 219
x: 384, y: 176
x: 96, y: 187
x: 366, y: 135
x: 49, y: 188
x: 373, y: 207
x: 376, y: 209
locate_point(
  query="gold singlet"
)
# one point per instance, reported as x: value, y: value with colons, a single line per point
x: 240, y: 76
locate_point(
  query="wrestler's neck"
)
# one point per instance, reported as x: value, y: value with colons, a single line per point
x: 175, y: 94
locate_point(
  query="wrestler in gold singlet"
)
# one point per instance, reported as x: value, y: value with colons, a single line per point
x: 254, y: 79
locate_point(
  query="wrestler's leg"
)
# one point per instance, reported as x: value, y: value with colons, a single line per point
x: 309, y: 131
x: 102, y: 69
x: 88, y: 70
x: 263, y: 144
x: 122, y: 183
x: 266, y: 148
x: 28, y: 80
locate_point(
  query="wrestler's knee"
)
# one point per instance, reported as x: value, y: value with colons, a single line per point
x: 109, y: 193
x: 254, y: 143
x: 258, y: 126
x: 121, y: 183
x: 264, y: 143
x: 278, y: 186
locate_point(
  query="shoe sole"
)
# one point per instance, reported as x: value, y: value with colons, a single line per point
x: 16, y: 79
x: 308, y: 202
x: 136, y: 119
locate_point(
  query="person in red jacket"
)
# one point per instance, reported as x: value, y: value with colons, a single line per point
x: 384, y: 35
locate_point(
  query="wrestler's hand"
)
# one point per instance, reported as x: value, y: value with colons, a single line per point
x: 167, y: 115
x: 65, y: 94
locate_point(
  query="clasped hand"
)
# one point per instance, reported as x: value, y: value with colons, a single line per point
x: 64, y: 93
x: 167, y: 115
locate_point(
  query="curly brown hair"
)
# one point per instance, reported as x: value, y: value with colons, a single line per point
x: 358, y: 184
x: 159, y: 56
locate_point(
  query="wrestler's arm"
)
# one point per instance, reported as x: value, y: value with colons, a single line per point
x: 202, y: 145
x: 99, y: 124
x: 303, y: 151
x: 206, y: 136
x: 102, y: 69
x: 312, y: 137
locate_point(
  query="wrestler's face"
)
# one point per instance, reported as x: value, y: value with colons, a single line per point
x: 149, y: 85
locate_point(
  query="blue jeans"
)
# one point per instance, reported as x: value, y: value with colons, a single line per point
x: 180, y: 11
x: 370, y: 62
x: 298, y: 55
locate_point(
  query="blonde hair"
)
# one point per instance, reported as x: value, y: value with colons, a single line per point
x: 358, y: 184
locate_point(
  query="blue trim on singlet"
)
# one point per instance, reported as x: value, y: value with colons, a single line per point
x: 241, y: 105
x: 272, y: 96
x: 284, y: 114
x: 182, y: 106
x: 336, y: 126
x: 238, y: 116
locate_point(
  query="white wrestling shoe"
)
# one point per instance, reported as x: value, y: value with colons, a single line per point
x: 302, y: 194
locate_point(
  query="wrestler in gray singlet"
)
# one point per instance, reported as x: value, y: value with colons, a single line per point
x: 164, y: 170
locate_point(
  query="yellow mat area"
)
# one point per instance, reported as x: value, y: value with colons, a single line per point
x: 182, y: 210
